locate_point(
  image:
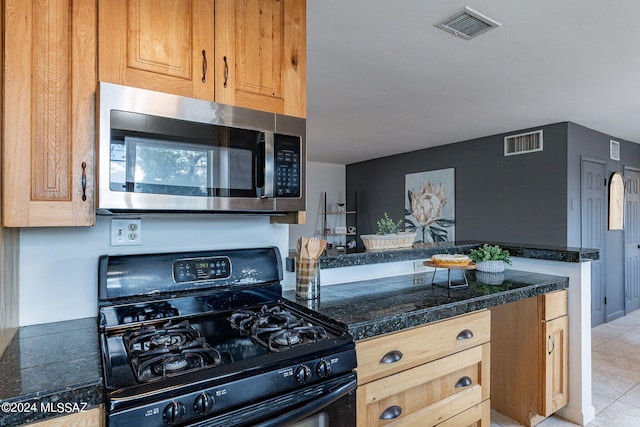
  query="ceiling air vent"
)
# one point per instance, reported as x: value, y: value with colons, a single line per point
x: 614, y: 150
x: 523, y: 143
x: 467, y: 24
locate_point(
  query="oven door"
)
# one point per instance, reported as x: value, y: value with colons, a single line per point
x: 331, y: 403
x: 335, y: 408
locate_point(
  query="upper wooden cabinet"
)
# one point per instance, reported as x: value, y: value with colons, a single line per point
x: 49, y: 123
x: 261, y: 55
x: 260, y: 50
x: 162, y: 45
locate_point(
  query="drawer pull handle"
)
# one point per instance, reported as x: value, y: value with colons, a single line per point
x: 392, y: 412
x: 465, y: 335
x: 391, y: 357
x: 464, y: 382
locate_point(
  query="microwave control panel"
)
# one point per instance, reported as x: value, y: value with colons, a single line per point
x: 287, y: 166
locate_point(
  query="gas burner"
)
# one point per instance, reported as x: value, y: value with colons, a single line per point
x: 146, y: 311
x: 275, y: 328
x: 159, y: 352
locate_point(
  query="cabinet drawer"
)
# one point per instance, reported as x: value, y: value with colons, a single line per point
x: 427, y: 394
x: 553, y: 305
x: 477, y: 416
x: 389, y: 354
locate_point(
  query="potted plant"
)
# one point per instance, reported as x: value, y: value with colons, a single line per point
x: 388, y: 235
x: 491, y: 259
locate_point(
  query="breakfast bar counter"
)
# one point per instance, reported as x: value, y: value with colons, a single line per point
x: 379, y: 306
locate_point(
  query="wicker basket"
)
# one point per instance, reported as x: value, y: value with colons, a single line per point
x: 388, y: 241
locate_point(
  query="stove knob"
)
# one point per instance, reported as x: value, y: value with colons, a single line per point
x: 173, y: 412
x: 303, y: 373
x: 323, y: 369
x: 203, y: 403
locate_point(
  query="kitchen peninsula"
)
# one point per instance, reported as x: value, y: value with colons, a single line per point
x: 365, y: 282
x: 371, y: 308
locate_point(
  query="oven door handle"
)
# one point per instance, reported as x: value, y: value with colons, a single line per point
x: 312, y: 407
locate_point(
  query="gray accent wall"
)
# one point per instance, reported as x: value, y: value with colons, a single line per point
x: 519, y: 199
x: 530, y: 198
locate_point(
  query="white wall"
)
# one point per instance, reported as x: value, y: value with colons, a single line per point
x: 58, y: 266
x: 321, y: 178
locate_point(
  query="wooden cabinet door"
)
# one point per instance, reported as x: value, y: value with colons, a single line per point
x: 49, y: 122
x: 555, y: 364
x: 162, y: 45
x: 261, y: 55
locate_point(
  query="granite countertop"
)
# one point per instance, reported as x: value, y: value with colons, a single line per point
x: 334, y: 259
x: 49, y: 370
x: 379, y: 306
x: 52, y: 365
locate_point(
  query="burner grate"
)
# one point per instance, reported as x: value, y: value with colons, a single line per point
x: 171, y: 349
x: 144, y: 312
x: 276, y: 329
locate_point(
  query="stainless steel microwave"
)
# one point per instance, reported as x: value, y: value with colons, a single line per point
x: 166, y: 153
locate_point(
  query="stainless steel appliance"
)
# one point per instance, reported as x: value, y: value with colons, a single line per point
x: 205, y: 339
x: 165, y: 153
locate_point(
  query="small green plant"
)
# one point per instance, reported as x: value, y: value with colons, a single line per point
x: 388, y: 226
x: 489, y: 253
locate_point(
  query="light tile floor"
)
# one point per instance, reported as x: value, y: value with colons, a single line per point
x: 615, y: 379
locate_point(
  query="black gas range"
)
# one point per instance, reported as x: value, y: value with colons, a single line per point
x: 206, y: 339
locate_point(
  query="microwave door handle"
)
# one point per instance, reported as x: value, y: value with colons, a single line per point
x: 260, y: 166
x: 265, y: 175
x: 312, y: 407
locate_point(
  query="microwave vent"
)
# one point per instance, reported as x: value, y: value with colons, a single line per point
x: 523, y: 143
x: 467, y: 24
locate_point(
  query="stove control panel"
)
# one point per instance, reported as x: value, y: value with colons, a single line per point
x: 201, y: 269
x: 215, y: 397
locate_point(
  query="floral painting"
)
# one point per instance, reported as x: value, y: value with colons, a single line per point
x: 430, y: 205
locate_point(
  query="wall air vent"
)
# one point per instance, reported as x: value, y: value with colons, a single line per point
x: 614, y: 150
x: 523, y: 143
x: 467, y: 24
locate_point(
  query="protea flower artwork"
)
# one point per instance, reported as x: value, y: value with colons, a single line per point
x: 425, y: 213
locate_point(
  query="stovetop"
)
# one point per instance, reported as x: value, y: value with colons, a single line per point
x: 163, y: 348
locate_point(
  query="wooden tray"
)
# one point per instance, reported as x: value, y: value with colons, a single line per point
x: 470, y: 266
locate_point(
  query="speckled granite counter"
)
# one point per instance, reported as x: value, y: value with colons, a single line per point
x: 380, y: 306
x: 423, y: 251
x: 49, y: 370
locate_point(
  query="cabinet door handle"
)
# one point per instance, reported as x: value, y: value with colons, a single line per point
x: 391, y: 413
x: 204, y: 66
x: 391, y: 357
x: 84, y: 181
x: 464, y: 382
x: 226, y: 71
x: 553, y: 344
x: 465, y: 335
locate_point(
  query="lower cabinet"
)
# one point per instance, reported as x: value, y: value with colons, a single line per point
x: 91, y: 418
x: 437, y: 374
x: 529, y: 350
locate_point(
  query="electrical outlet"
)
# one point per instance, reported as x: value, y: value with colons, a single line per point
x: 419, y: 266
x: 126, y: 232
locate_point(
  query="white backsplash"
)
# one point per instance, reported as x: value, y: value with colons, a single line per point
x: 58, y: 266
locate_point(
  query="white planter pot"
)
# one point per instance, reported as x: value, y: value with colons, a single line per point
x: 490, y: 266
x: 489, y: 278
